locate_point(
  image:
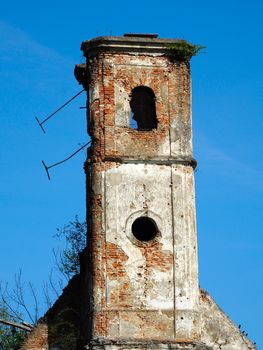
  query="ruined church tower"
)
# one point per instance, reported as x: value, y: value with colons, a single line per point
x: 138, y: 287
x: 140, y: 191
x: 142, y: 284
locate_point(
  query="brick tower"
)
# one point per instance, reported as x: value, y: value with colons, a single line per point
x: 142, y: 280
x: 138, y: 283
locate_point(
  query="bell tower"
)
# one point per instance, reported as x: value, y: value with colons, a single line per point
x: 138, y: 282
x: 140, y: 190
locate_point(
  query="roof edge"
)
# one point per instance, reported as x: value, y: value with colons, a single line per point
x: 128, y: 44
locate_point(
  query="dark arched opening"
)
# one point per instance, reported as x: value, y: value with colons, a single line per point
x: 143, y: 113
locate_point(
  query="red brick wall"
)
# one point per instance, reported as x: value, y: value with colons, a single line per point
x: 37, y: 339
x: 108, y: 71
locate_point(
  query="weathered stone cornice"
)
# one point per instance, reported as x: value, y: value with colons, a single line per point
x: 128, y: 44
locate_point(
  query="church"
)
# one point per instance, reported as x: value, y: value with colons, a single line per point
x: 138, y: 288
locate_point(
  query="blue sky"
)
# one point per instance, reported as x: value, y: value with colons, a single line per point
x: 40, y: 44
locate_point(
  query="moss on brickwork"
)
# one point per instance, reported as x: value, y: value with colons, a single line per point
x: 61, y: 326
x: 64, y: 319
x: 64, y: 331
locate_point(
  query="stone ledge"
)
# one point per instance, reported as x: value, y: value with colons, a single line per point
x: 123, y: 344
x: 127, y: 44
x: 146, y: 160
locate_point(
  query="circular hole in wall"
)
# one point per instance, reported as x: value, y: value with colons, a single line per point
x: 144, y: 229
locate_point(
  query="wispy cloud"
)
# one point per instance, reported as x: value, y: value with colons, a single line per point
x: 224, y: 164
x: 26, y: 63
x: 18, y: 45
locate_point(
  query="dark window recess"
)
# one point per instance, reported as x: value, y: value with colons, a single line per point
x: 144, y: 229
x: 143, y: 113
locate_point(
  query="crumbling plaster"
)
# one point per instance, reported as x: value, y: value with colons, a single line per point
x: 217, y: 330
x: 150, y: 271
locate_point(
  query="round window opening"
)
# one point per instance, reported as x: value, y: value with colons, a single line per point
x: 144, y: 229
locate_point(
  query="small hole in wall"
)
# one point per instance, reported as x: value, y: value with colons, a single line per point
x: 144, y: 229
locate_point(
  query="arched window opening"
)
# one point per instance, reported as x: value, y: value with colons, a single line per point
x: 143, y: 113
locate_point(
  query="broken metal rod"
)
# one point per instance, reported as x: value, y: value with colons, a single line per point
x: 62, y: 161
x: 40, y: 123
x: 26, y: 327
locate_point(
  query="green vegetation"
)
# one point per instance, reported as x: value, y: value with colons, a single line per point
x: 64, y: 329
x: 67, y: 259
x: 184, y: 51
x: 11, y: 338
x: 64, y: 326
